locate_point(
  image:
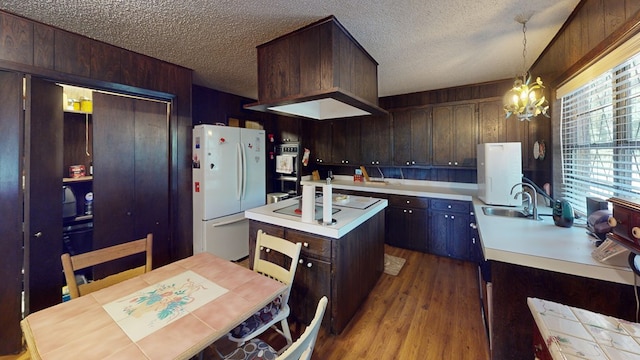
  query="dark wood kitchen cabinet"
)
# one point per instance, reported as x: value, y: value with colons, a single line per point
x: 451, y: 229
x: 345, y: 142
x: 131, y: 180
x: 318, y: 137
x: 288, y: 129
x: 345, y: 270
x: 407, y: 222
x: 412, y: 137
x: 455, y: 139
x: 375, y: 140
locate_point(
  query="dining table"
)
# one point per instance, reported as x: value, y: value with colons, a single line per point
x: 172, y: 312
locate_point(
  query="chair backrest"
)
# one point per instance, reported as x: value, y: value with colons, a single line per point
x: 268, y: 242
x: 70, y: 264
x: 303, y: 347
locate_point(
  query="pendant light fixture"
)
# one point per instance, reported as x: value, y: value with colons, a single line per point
x: 525, y: 100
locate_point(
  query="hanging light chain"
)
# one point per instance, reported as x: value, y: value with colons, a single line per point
x: 524, y: 48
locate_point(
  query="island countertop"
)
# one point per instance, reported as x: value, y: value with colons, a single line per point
x: 347, y: 218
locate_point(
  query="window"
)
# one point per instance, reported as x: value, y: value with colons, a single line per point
x: 600, y: 136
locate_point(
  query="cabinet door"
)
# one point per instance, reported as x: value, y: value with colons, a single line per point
x: 466, y: 135
x: 345, y: 142
x: 443, y: 138
x: 440, y: 233
x: 130, y: 175
x: 43, y: 233
x: 412, y: 137
x: 318, y: 135
x: 491, y: 122
x: 459, y: 245
x: 312, y: 282
x: 407, y: 228
x: 375, y: 140
x: 288, y: 129
x: 455, y: 139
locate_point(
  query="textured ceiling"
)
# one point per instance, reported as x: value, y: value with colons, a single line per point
x: 419, y: 44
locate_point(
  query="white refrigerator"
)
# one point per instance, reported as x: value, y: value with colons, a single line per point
x: 229, y: 177
x: 499, y: 169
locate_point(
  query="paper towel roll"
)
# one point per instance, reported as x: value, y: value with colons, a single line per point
x: 308, y: 203
x: 327, y: 197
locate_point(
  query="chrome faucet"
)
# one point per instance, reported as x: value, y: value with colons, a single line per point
x: 532, y: 195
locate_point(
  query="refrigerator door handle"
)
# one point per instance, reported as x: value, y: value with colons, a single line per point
x: 229, y: 222
x: 244, y: 171
x: 239, y: 171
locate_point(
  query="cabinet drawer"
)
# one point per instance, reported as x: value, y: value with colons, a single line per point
x: 450, y: 205
x: 311, y: 245
x: 269, y: 229
x: 409, y: 201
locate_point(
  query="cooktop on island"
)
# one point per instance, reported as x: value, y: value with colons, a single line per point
x: 294, y: 210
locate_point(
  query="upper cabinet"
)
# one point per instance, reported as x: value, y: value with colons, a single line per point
x: 455, y: 135
x: 412, y: 137
x: 375, y: 140
x: 345, y: 139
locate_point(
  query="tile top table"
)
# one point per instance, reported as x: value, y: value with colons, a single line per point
x: 574, y: 333
x: 172, y: 312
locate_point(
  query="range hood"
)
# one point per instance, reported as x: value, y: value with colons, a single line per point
x: 319, y: 72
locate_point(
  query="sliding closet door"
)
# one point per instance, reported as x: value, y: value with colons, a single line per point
x: 131, y: 174
x: 43, y: 194
x: 11, y: 135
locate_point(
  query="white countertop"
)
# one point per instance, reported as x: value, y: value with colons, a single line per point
x: 536, y: 244
x: 347, y: 218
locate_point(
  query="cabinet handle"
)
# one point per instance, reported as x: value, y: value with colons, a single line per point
x: 446, y: 216
x: 452, y: 217
x: 267, y: 250
x: 449, y: 162
x: 405, y: 211
x: 38, y: 234
x: 612, y: 222
x: 473, y: 226
x: 413, y: 163
x: 635, y: 231
x: 455, y: 163
x: 408, y: 163
x: 410, y: 211
x: 448, y: 206
x: 408, y: 201
x: 301, y: 261
x: 261, y: 248
x: 305, y: 244
x: 308, y: 264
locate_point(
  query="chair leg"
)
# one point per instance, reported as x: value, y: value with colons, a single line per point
x: 286, y: 332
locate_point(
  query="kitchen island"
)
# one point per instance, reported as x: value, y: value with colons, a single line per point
x: 342, y: 261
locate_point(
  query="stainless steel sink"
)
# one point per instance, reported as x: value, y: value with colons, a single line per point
x: 492, y: 211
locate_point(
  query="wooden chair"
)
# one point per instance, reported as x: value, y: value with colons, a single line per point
x: 70, y: 264
x: 301, y: 349
x: 278, y: 311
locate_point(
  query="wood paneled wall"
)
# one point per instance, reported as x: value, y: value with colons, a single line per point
x: 29, y: 47
x: 593, y: 29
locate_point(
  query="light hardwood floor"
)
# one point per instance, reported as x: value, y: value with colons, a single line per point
x: 431, y: 310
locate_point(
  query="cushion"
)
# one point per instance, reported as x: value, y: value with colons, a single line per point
x: 257, y: 320
x: 254, y: 349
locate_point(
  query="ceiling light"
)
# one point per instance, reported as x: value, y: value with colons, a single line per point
x: 525, y: 99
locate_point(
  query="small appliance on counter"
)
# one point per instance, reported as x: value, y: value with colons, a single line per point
x: 563, y: 213
x: 499, y: 169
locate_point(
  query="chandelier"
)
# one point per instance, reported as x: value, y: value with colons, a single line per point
x: 526, y: 99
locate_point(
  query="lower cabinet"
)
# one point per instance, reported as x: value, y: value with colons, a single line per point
x: 407, y: 222
x: 345, y: 270
x: 450, y: 229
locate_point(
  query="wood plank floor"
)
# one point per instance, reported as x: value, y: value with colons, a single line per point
x: 431, y: 310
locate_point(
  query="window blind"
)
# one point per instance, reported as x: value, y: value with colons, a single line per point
x: 600, y: 136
